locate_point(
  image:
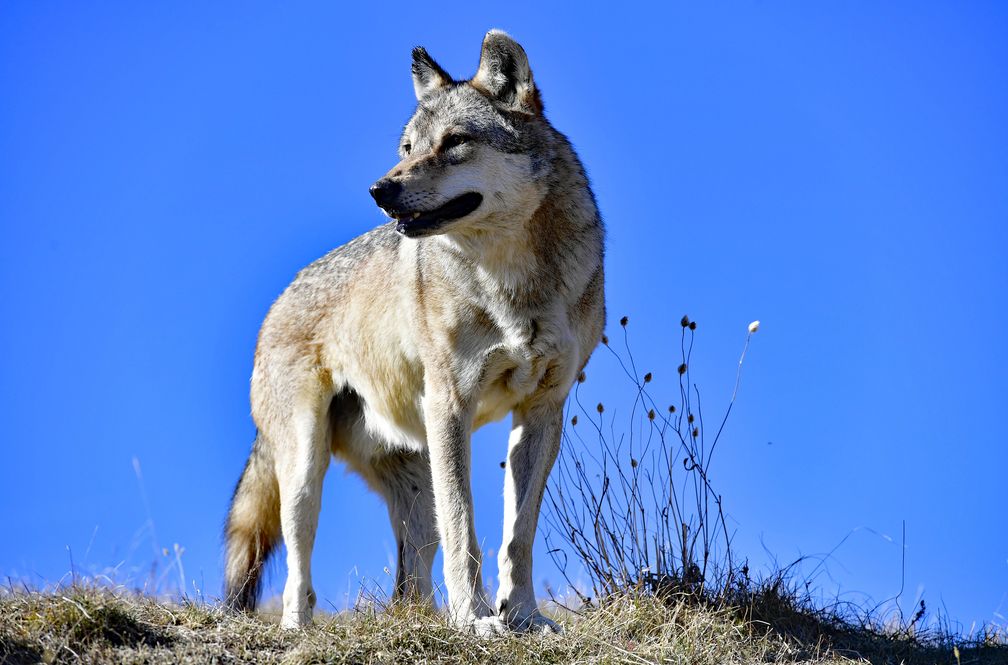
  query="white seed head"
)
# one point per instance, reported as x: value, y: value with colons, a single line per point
x: 753, y: 327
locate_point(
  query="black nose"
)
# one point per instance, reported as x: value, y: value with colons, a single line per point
x: 385, y: 192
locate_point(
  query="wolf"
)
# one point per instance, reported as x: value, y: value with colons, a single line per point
x: 482, y: 296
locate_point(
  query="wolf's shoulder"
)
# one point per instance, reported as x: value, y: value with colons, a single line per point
x: 343, y: 259
x: 380, y: 238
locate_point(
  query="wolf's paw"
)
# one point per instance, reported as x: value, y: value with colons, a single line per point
x: 297, y: 610
x: 536, y: 624
x: 540, y: 625
x: 490, y: 627
x: 296, y: 620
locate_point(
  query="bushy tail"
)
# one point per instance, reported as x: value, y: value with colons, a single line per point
x: 253, y: 529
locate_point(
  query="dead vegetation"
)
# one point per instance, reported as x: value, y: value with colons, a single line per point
x: 93, y: 624
x: 632, y: 511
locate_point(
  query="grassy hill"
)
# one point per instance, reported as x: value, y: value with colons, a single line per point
x: 99, y: 625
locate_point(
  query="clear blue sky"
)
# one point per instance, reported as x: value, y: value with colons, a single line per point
x: 839, y: 171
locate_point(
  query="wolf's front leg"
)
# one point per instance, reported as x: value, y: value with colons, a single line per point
x: 532, y: 450
x: 448, y: 423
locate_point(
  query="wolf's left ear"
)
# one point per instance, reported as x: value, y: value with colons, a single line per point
x: 504, y: 74
x: 427, y: 74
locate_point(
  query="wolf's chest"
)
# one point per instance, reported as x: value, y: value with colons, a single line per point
x: 514, y: 373
x: 510, y: 376
x: 493, y: 370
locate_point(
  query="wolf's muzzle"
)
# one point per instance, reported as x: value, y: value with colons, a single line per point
x: 385, y: 192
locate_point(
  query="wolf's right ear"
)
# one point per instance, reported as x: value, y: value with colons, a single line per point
x: 504, y: 74
x: 427, y: 74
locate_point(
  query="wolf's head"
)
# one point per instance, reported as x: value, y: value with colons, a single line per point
x: 473, y: 153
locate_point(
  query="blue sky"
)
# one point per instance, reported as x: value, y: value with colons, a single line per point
x: 839, y: 171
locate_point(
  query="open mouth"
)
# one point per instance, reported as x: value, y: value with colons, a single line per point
x: 414, y: 223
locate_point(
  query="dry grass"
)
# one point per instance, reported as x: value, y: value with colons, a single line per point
x: 92, y: 624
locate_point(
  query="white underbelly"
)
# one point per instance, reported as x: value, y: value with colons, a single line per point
x: 494, y: 404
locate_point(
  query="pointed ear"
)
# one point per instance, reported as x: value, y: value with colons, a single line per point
x: 504, y: 74
x: 427, y: 74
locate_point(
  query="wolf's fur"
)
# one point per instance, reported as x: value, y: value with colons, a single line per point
x: 389, y: 351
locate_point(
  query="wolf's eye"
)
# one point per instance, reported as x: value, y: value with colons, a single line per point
x: 406, y: 147
x: 452, y: 140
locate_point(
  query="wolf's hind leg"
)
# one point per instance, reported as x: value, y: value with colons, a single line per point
x: 404, y: 479
x: 301, y: 462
